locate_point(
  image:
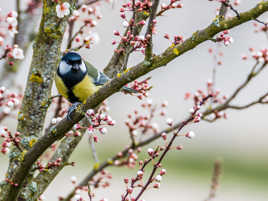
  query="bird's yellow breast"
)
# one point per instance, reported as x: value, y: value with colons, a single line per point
x: 61, y: 87
x: 84, y: 89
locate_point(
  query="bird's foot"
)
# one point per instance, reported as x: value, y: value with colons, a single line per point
x: 72, y: 109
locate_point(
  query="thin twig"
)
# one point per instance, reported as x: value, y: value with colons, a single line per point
x: 250, y: 76
x: 4, y: 54
x: 59, y: 106
x: 89, y: 2
x: 18, y: 9
x: 215, y: 180
x: 227, y: 4
x: 93, y: 148
x: 224, y: 9
x: 261, y: 22
x: 226, y: 105
x: 259, y: 101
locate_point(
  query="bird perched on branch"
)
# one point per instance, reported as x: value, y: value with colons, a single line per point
x: 77, y: 79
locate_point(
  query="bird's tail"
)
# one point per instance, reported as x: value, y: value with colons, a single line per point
x: 129, y: 90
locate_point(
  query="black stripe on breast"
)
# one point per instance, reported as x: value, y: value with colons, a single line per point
x: 71, y: 97
x: 71, y: 78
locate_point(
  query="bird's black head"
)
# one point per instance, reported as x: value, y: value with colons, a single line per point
x: 73, y: 59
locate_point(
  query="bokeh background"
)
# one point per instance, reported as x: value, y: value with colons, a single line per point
x: 240, y: 141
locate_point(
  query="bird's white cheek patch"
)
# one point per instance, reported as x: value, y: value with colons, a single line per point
x: 83, y: 67
x: 64, y: 68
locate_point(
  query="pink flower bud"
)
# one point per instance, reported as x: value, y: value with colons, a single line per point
x: 140, y: 173
x: 150, y: 151
x: 164, y: 136
x: 190, y: 135
x: 163, y: 172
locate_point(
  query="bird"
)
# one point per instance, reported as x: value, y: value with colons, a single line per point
x: 76, y: 80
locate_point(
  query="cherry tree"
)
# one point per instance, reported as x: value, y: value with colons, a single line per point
x: 37, y: 153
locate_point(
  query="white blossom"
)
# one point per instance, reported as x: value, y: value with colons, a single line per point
x: 73, y: 179
x: 140, y: 173
x: 17, y: 52
x: 125, y: 24
x: 6, y: 110
x: 63, y: 10
x: 190, y: 135
x: 158, y: 178
x: 1, y: 41
x: 169, y: 121
x: 103, y: 130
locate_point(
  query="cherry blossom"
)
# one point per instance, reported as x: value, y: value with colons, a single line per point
x: 63, y: 10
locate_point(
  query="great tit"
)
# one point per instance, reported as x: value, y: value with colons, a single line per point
x: 77, y: 79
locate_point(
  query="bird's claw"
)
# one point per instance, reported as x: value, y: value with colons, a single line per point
x: 71, y: 110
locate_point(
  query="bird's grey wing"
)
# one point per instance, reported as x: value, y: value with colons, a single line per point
x: 98, y: 77
x: 101, y: 79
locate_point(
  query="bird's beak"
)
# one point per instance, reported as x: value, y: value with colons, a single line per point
x: 75, y: 67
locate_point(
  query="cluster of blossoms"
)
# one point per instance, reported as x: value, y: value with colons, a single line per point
x: 138, y: 181
x: 225, y: 38
x: 140, y: 87
x: 9, y: 140
x: 216, y: 55
x: 260, y: 56
x: 137, y: 42
x: 176, y: 39
x: 8, y: 26
x: 98, y: 121
x: 260, y: 27
x: 100, y: 180
x: 172, y: 4
x: 8, y: 102
x: 130, y: 161
x: 57, y: 163
x: 130, y: 38
x: 199, y: 95
x: 143, y: 123
x: 88, y: 15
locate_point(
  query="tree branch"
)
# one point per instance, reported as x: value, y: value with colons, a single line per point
x: 119, y: 58
x: 224, y: 9
x: 226, y: 105
x: 149, y: 32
